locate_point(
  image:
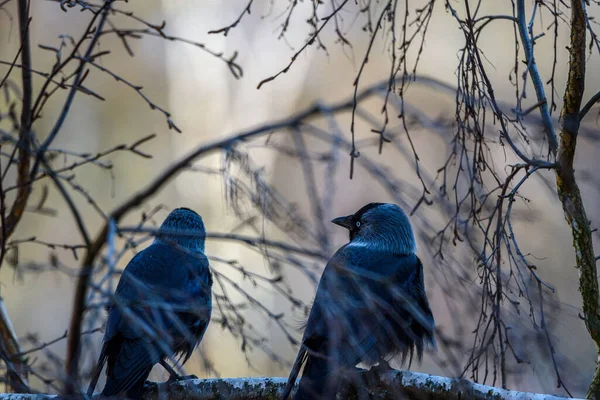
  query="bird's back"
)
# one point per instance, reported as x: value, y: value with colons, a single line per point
x: 162, y: 308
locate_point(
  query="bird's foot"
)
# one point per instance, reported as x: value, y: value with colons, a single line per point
x: 374, y: 374
x: 176, y: 377
x: 173, y: 375
x: 382, y: 367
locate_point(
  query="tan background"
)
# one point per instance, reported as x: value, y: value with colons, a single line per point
x: 207, y: 102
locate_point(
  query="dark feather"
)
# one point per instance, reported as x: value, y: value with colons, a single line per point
x: 370, y: 305
x: 130, y: 363
x: 167, y: 291
x: 300, y: 360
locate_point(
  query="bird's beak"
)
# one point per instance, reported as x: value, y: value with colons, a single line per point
x: 346, y: 221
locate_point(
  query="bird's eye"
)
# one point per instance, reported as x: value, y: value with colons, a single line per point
x: 358, y: 224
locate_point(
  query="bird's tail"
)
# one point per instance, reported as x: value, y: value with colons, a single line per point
x: 300, y: 359
x: 97, y: 371
x: 319, y: 379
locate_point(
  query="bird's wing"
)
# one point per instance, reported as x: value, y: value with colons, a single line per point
x: 359, y: 286
x: 426, y: 322
x: 339, y: 296
x: 396, y: 284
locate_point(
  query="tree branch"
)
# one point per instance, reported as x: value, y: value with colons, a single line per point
x: 15, y: 364
x: 23, y: 144
x: 308, y: 43
x: 17, y: 377
x: 248, y: 240
x: 568, y: 189
x: 73, y: 340
x: 538, y: 84
x: 79, y: 76
x: 403, y: 384
x: 588, y: 106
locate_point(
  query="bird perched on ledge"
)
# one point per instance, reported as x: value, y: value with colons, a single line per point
x: 161, y: 308
x: 370, y: 303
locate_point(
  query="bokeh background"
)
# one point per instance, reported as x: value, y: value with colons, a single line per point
x: 207, y: 102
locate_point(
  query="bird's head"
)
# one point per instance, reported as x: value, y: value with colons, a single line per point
x: 185, y: 228
x: 380, y: 226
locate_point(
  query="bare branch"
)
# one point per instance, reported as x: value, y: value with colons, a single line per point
x: 73, y: 348
x: 248, y: 240
x: 10, y: 343
x: 225, y: 30
x: 79, y: 76
x: 588, y: 106
x: 11, y: 221
x: 538, y: 84
x: 309, y: 42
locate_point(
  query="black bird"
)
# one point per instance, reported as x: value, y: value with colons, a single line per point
x: 161, y: 309
x: 370, y: 304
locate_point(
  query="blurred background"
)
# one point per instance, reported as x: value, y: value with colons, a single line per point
x: 207, y: 102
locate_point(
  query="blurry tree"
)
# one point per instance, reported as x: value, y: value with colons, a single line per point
x: 494, y: 149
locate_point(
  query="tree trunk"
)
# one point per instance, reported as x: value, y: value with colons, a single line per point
x: 568, y: 190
